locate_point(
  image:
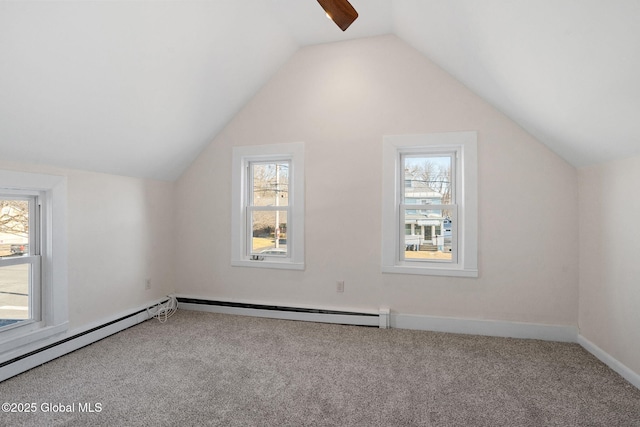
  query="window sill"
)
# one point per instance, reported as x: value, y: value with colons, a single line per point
x: 286, y: 265
x: 430, y: 271
x: 17, y: 342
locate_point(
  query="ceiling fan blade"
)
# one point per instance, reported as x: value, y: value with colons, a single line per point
x: 340, y: 11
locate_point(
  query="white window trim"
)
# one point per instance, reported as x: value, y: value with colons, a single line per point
x: 54, y: 287
x: 294, y: 152
x: 466, y: 171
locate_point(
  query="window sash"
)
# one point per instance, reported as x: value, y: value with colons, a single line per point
x: 402, y: 227
x: 424, y: 153
x: 249, y: 211
x: 250, y: 208
x: 401, y: 195
x: 34, y: 288
x: 250, y: 182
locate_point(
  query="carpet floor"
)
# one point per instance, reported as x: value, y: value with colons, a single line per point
x: 203, y: 369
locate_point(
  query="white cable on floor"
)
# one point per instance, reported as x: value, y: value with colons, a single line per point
x: 162, y: 311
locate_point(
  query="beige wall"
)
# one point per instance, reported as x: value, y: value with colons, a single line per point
x: 610, y: 259
x: 340, y: 99
x: 119, y: 234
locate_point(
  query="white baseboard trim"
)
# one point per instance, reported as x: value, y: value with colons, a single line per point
x: 495, y: 328
x: 279, y: 312
x: 31, y: 356
x: 386, y: 318
x: 610, y: 361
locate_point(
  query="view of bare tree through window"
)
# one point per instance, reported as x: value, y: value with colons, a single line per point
x: 428, y: 225
x: 14, y: 217
x: 14, y: 279
x: 269, y: 207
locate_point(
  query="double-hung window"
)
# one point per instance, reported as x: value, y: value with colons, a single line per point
x: 430, y: 204
x: 20, y: 261
x: 33, y: 260
x: 268, y: 206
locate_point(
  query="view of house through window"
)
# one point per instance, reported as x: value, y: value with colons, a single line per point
x: 427, y: 207
x: 268, y: 207
x: 16, y: 264
x: 430, y: 204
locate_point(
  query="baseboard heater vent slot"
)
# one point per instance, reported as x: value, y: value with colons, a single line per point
x: 280, y: 312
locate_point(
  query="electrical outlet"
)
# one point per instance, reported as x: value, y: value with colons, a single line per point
x: 340, y: 286
x: 147, y: 284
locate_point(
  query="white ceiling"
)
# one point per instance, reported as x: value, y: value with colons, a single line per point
x: 140, y: 88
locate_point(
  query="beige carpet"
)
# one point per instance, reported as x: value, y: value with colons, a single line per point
x: 212, y: 369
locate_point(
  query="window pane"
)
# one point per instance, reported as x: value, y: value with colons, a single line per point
x: 269, y: 233
x: 14, y: 293
x: 427, y: 234
x: 427, y: 180
x: 14, y: 227
x: 270, y: 184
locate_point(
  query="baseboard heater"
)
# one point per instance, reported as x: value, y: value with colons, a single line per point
x: 68, y: 344
x: 283, y: 312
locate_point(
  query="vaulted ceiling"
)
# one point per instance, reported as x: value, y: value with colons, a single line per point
x: 140, y: 88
